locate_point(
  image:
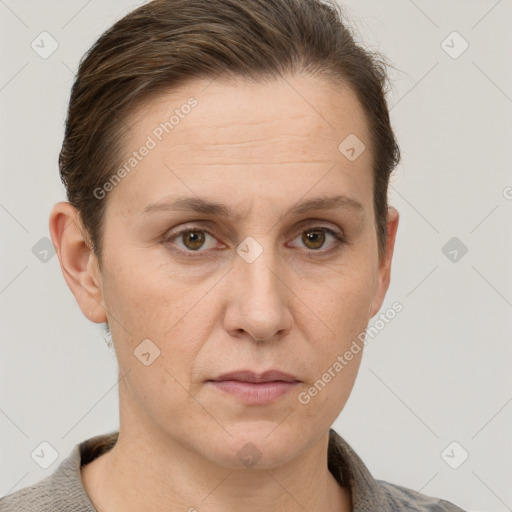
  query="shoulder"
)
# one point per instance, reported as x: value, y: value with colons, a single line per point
x: 62, y: 490
x: 402, y: 498
x: 369, y: 493
x: 39, y: 496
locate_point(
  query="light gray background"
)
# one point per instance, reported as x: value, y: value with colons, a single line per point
x: 440, y: 372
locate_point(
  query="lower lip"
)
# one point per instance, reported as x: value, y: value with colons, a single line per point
x: 255, y: 392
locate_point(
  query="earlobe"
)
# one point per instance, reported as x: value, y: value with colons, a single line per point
x: 384, y: 272
x: 77, y: 260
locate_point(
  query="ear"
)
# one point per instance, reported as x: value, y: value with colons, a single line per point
x: 78, y: 262
x: 384, y: 272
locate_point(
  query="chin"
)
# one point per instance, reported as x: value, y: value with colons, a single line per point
x: 259, y: 444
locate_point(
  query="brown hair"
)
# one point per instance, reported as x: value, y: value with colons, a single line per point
x: 165, y: 43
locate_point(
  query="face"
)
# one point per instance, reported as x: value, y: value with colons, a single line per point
x: 266, y: 278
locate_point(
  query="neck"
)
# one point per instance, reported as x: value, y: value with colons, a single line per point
x: 167, y: 476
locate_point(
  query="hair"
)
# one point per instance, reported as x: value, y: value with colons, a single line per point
x: 166, y: 43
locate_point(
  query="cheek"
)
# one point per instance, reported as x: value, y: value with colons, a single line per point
x: 156, y: 342
x: 145, y: 298
x: 334, y: 361
x: 173, y: 311
x: 343, y: 301
x: 322, y: 399
x: 336, y: 334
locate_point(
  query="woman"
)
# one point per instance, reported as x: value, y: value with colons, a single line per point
x: 226, y: 165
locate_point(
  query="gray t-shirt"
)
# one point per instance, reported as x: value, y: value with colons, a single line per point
x: 63, y: 490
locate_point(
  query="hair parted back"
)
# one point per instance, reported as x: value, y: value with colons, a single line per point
x: 165, y: 43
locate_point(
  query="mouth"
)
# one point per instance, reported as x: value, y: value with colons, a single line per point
x: 253, y: 388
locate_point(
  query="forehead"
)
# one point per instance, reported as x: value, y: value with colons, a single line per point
x: 230, y: 110
x: 210, y: 135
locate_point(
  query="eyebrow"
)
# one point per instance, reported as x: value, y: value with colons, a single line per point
x: 204, y: 206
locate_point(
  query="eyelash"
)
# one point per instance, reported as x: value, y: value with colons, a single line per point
x: 339, y: 241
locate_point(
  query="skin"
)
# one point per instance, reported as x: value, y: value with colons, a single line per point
x: 259, y: 148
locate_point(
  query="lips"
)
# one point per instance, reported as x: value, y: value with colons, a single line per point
x: 255, y: 389
x: 250, y: 376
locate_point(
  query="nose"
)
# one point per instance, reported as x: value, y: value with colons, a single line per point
x: 259, y: 299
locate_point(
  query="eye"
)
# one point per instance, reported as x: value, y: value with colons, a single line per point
x: 193, y: 239
x: 314, y: 238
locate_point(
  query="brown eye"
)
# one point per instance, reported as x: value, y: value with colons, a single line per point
x: 193, y: 240
x: 313, y: 238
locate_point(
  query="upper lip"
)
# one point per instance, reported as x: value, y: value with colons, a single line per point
x: 250, y: 376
